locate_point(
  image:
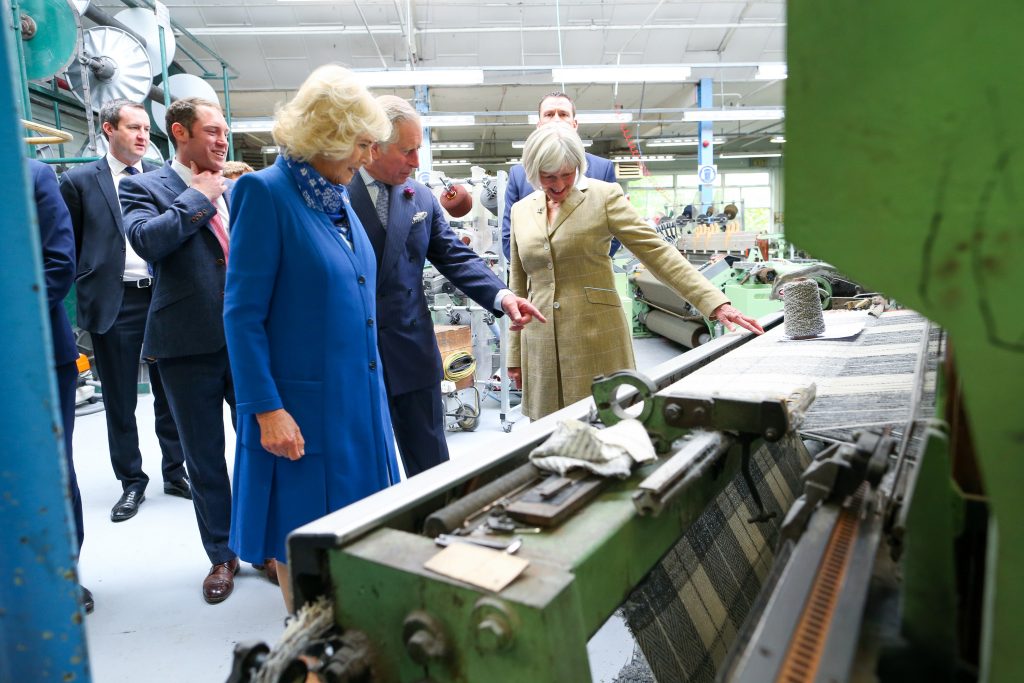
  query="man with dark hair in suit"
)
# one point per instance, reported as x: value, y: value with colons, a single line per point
x: 406, y: 227
x: 177, y: 219
x: 57, y: 240
x: 114, y: 288
x: 555, y: 107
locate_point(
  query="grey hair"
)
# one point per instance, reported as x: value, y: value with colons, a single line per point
x: 551, y: 148
x: 398, y: 111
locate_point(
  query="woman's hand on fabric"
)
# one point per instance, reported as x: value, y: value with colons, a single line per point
x: 520, y: 311
x: 280, y: 435
x: 730, y: 316
x: 516, y: 375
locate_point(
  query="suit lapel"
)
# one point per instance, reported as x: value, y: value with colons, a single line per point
x: 400, y: 212
x: 574, y: 199
x: 106, y: 185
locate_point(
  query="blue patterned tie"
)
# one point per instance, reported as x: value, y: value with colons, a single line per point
x: 130, y: 170
x: 383, y: 195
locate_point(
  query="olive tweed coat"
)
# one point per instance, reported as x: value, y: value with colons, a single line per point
x: 565, y: 270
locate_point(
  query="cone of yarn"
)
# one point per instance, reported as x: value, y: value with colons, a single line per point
x: 802, y: 310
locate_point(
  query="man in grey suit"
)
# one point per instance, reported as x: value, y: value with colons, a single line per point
x: 554, y: 107
x: 114, y: 288
x: 177, y: 219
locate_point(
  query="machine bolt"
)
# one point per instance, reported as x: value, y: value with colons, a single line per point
x: 771, y: 434
x: 699, y: 414
x: 492, y: 635
x: 495, y: 625
x: 673, y: 413
x: 424, y: 638
x: 28, y: 27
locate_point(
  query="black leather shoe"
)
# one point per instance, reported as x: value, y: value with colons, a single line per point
x: 87, y: 602
x: 178, y: 487
x: 127, y: 505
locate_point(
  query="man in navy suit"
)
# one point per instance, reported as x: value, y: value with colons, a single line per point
x: 114, y: 289
x: 406, y: 227
x: 58, y: 242
x: 554, y: 107
x: 177, y: 219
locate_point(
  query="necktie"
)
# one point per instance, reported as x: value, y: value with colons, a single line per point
x: 217, y: 226
x: 130, y: 170
x: 383, y: 195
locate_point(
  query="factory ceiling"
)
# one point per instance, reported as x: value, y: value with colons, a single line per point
x: 272, y: 45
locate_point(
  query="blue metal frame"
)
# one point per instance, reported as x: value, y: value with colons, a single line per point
x: 706, y: 130
x: 42, y: 636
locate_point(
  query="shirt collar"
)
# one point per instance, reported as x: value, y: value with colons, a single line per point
x: 117, y: 166
x: 182, y: 170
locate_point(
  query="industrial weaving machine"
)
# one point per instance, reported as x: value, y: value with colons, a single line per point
x: 684, y: 549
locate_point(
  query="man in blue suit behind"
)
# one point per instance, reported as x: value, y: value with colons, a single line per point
x: 57, y: 240
x: 114, y: 288
x: 177, y: 219
x: 406, y: 227
x: 554, y: 107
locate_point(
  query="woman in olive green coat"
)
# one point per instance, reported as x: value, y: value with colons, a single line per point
x: 560, y: 240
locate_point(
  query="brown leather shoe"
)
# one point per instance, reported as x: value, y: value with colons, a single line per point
x: 219, y: 583
x: 270, y: 571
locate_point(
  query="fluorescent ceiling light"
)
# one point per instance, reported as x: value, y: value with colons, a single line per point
x: 734, y: 114
x: 270, y: 149
x: 778, y: 139
x: 432, y: 121
x: 519, y: 144
x: 611, y: 117
x: 620, y: 74
x: 770, y: 72
x: 752, y: 155
x: 450, y: 146
x: 645, y: 157
x: 399, y: 77
x: 512, y: 162
x: 451, y: 162
x: 679, y: 142
x: 259, y: 125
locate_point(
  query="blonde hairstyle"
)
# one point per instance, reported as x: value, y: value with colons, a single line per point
x: 327, y: 114
x: 551, y: 148
x: 233, y: 169
x: 398, y: 111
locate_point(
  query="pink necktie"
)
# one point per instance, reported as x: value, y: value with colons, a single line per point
x: 217, y: 226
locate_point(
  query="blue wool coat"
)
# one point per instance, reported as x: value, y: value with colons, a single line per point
x: 299, y: 319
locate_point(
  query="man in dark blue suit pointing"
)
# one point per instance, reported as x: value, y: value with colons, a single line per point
x: 406, y: 227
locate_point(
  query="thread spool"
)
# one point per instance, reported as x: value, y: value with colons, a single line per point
x: 802, y: 310
x: 456, y: 201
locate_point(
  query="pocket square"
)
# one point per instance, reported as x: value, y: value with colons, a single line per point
x: 417, y: 217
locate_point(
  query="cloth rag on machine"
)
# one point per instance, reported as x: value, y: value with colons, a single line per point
x: 609, y: 452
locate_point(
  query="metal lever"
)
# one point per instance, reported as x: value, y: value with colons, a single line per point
x: 509, y: 546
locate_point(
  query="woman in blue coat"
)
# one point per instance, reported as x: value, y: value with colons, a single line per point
x: 314, y: 432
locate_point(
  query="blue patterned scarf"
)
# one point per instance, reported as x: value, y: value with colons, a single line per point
x: 320, y: 194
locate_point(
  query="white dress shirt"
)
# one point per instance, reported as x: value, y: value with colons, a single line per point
x: 135, y: 267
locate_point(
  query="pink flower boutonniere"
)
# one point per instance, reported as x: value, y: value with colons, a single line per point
x: 408, y: 192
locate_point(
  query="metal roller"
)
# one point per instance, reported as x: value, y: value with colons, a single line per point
x: 143, y: 22
x: 181, y: 86
x: 691, y: 334
x: 116, y: 64
x: 49, y: 32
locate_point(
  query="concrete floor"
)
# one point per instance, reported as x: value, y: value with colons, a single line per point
x: 151, y: 623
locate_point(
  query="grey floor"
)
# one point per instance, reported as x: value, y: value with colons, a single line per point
x: 151, y: 623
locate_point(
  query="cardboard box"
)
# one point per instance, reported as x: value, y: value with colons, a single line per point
x: 453, y: 338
